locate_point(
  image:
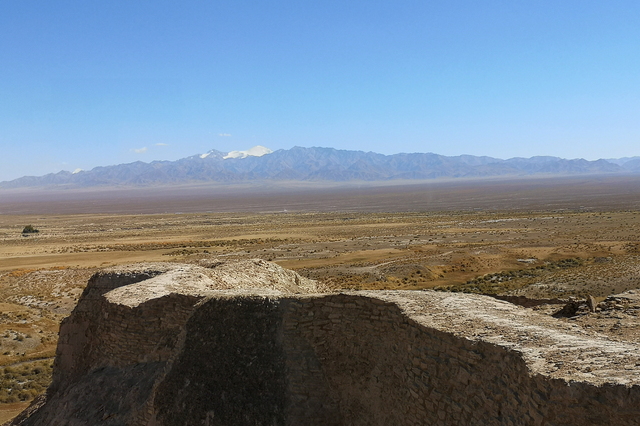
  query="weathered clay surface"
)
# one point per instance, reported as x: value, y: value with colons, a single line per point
x: 249, y: 343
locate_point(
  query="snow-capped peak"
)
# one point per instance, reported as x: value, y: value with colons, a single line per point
x: 256, y: 151
x: 205, y: 155
x: 77, y: 171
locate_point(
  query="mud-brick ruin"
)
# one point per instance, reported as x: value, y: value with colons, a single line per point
x: 249, y: 343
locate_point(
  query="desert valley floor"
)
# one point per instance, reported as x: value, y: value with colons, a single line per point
x: 544, y: 240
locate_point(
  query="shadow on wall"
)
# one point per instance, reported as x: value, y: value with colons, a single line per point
x: 352, y: 360
x: 344, y: 359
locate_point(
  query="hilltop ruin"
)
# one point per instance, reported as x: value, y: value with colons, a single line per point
x: 249, y: 343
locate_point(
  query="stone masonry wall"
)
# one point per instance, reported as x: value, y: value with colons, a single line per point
x: 193, y: 355
x: 79, y: 337
x: 231, y: 368
x: 110, y: 357
x: 377, y: 366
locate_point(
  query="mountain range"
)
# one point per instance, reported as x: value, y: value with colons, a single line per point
x: 320, y: 164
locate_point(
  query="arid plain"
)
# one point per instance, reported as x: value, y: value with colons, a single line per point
x: 549, y: 238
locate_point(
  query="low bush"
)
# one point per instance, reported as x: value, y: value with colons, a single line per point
x: 29, y: 229
x: 24, y: 382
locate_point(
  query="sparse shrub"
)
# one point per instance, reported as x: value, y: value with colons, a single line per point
x: 26, y: 382
x: 11, y: 399
x: 29, y: 229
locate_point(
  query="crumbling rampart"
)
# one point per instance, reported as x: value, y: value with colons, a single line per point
x: 173, y: 345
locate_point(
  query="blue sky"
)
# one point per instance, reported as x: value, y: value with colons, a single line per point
x: 96, y: 82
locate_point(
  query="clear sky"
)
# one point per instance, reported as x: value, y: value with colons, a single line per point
x: 99, y: 82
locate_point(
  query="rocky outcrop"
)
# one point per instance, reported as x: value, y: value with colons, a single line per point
x: 249, y: 343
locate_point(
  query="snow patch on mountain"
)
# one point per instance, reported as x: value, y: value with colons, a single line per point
x: 256, y: 151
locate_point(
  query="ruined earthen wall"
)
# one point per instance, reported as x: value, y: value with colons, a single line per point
x: 231, y: 370
x: 111, y: 357
x: 353, y: 360
x: 364, y: 358
x: 82, y: 334
x: 376, y: 366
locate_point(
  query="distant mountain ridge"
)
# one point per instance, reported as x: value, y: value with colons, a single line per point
x: 320, y: 164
